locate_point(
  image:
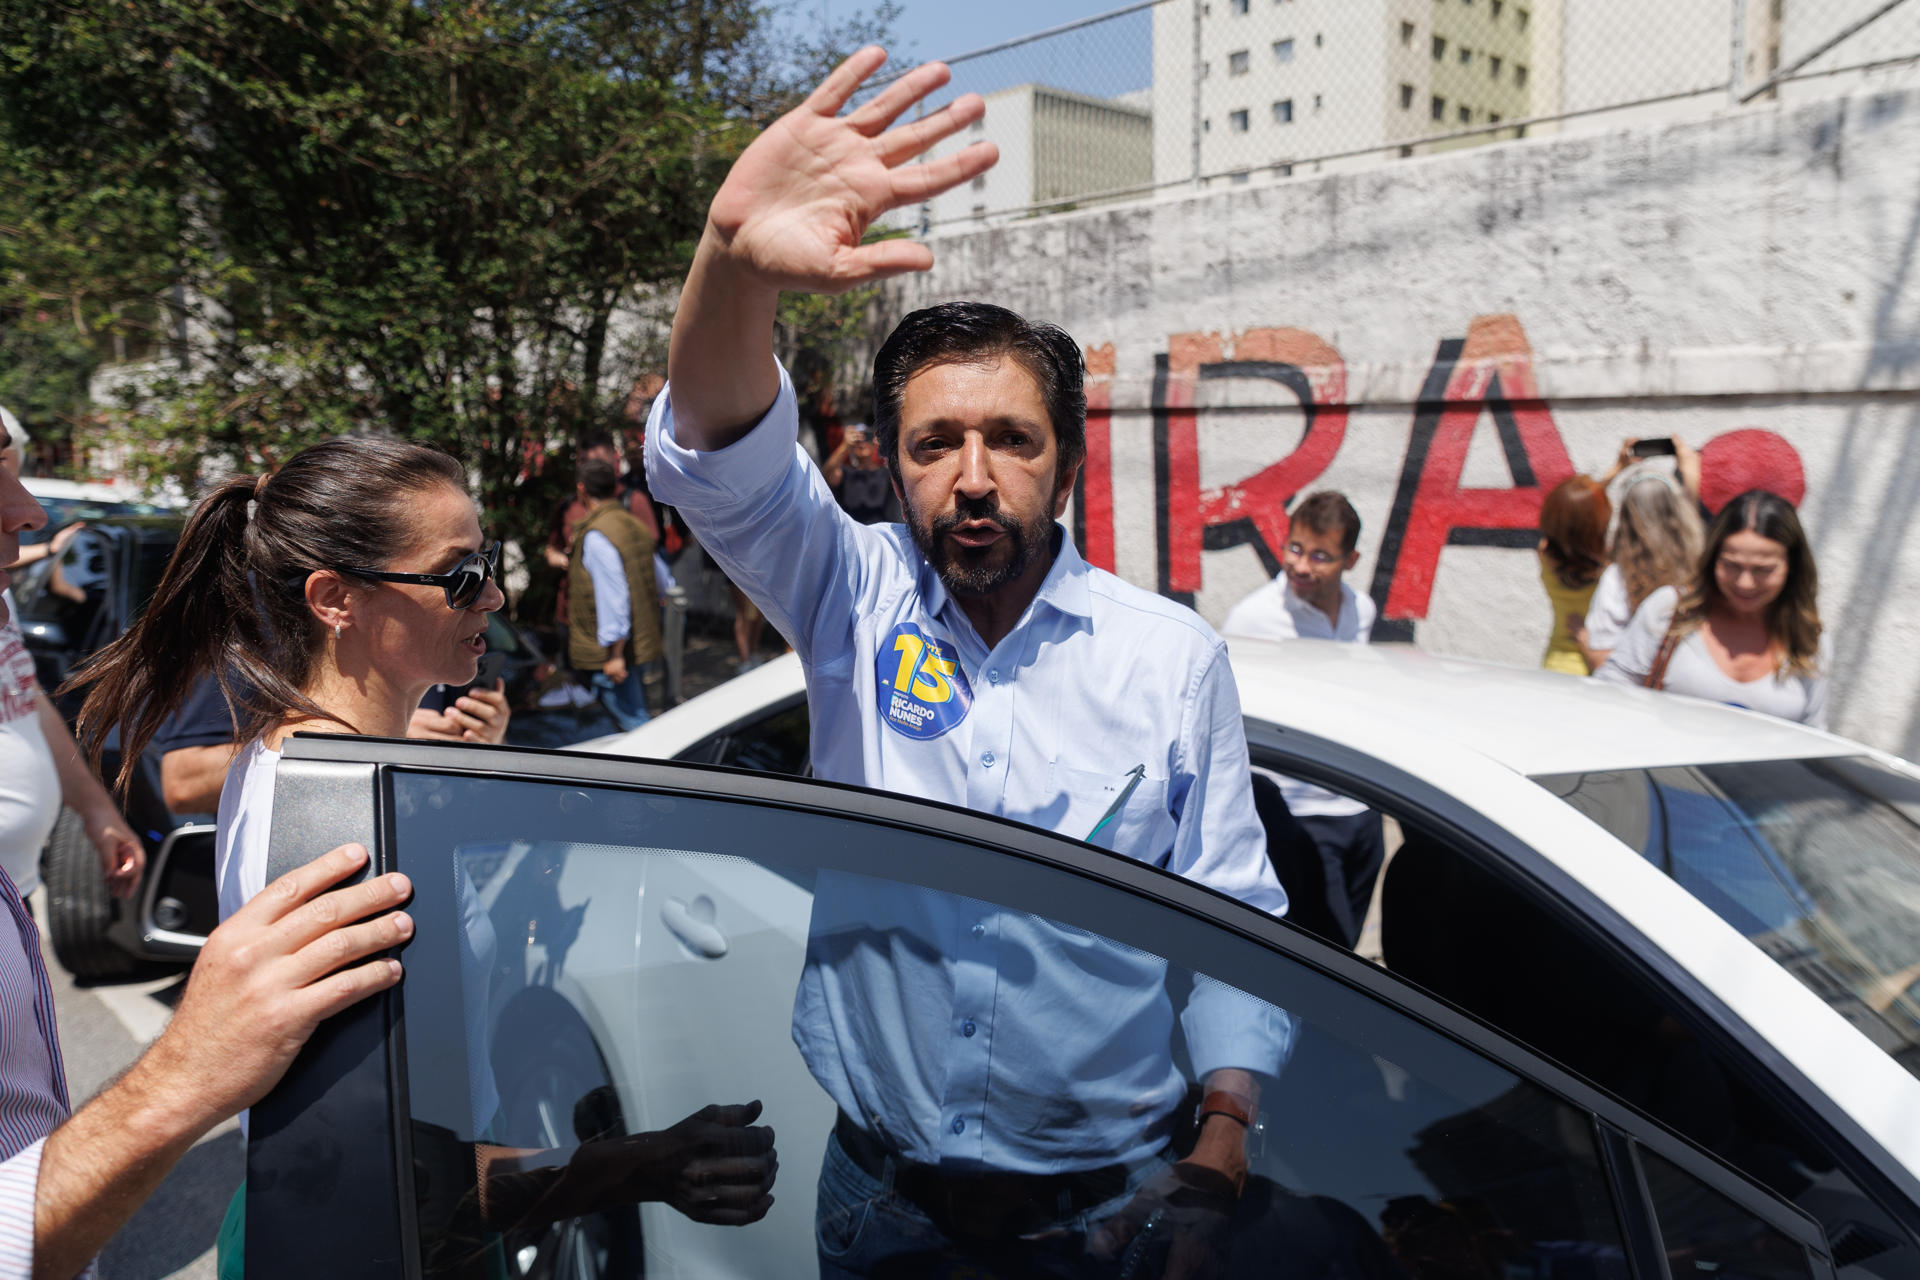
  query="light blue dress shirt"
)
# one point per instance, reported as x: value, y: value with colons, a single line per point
x: 917, y: 1008
x: 612, y: 605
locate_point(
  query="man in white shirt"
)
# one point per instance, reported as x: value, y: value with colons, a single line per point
x: 969, y: 656
x: 1310, y: 599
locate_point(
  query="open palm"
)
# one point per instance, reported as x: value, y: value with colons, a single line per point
x: 797, y: 202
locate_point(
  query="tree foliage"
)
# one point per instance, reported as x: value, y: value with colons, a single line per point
x: 456, y: 220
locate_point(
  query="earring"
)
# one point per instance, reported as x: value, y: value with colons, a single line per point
x: 336, y: 630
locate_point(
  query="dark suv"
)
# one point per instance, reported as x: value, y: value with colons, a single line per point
x: 73, y: 605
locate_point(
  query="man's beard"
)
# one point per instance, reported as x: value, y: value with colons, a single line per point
x: 980, y: 571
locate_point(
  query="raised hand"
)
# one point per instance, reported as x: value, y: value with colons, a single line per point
x: 794, y: 207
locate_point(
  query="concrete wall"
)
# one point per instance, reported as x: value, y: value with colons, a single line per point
x: 1446, y: 338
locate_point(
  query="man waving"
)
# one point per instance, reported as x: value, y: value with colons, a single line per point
x: 973, y: 657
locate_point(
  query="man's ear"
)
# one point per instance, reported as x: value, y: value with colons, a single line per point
x: 1063, y: 489
x: 1353, y: 558
x: 329, y: 599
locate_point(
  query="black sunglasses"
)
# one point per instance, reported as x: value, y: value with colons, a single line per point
x: 463, y: 583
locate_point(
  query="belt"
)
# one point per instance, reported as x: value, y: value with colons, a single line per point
x: 981, y: 1206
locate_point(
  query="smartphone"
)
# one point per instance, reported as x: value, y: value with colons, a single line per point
x: 491, y: 665
x: 1657, y: 447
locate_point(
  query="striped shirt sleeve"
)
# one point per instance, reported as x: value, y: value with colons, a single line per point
x: 19, y: 1177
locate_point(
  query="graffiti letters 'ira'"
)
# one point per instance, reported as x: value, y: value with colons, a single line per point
x: 1489, y: 371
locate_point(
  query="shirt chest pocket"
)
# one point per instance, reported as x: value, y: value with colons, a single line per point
x: 1140, y: 828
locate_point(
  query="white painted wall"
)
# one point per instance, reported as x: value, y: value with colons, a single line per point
x: 1754, y: 269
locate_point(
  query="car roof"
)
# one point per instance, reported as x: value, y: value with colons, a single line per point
x: 1532, y: 721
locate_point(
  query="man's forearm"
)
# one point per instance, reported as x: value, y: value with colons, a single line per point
x: 191, y: 777
x: 720, y: 365
x: 102, y: 1164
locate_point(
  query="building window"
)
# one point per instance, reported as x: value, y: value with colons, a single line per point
x: 1283, y: 170
x: 1283, y: 50
x: 1237, y: 121
x: 1241, y: 175
x: 1239, y: 6
x: 1439, y: 107
x: 980, y: 183
x: 1406, y: 34
x: 1493, y: 68
x: 1498, y: 5
x: 979, y: 211
x: 1521, y: 16
x: 1316, y: 102
x: 1493, y: 117
x: 1406, y: 96
x: 1283, y: 111
x: 1206, y: 69
x: 1439, y: 48
x: 1519, y: 75
x: 1466, y: 55
x: 1318, y: 40
x: 1466, y: 115
x: 1237, y: 63
x: 1406, y: 153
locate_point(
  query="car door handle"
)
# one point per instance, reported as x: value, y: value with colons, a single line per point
x: 692, y: 923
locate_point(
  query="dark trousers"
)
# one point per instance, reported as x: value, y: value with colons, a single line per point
x: 1351, y: 850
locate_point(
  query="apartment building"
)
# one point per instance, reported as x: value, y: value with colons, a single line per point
x: 1254, y: 86
x: 1057, y: 148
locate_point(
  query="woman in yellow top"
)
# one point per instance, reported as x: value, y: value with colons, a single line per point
x: 1573, y: 554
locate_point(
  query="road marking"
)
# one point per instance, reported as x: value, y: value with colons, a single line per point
x: 133, y: 1004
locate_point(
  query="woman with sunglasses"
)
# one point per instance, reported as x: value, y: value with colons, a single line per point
x: 328, y: 597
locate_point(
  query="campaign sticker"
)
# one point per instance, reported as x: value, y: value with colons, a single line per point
x: 922, y: 690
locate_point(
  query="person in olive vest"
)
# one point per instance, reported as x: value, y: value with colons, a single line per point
x: 613, y: 610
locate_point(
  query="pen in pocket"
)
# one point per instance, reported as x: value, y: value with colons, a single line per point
x: 1134, y: 775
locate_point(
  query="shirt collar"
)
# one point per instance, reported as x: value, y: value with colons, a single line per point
x: 1066, y: 589
x: 1298, y: 604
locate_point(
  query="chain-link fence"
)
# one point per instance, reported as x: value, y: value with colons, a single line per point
x: 1176, y: 95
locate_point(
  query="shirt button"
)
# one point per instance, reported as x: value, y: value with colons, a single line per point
x: 993, y: 675
x: 959, y: 1125
x: 980, y: 931
x: 987, y: 759
x: 967, y: 1028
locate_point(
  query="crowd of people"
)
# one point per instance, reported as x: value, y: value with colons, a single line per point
x: 333, y: 593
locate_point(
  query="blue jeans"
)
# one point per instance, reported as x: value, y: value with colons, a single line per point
x: 860, y: 1224
x: 626, y: 702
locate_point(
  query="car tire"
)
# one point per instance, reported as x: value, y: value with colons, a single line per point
x: 555, y: 1090
x: 79, y: 908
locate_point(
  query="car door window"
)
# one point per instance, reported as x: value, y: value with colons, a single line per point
x: 1459, y: 923
x: 776, y: 742
x: 1704, y: 1233
x: 593, y: 963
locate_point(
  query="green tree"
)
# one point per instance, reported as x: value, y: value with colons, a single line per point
x: 458, y: 222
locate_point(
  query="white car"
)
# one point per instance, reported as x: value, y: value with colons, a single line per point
x: 1643, y: 1003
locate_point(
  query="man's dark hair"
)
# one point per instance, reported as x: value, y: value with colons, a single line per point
x: 591, y: 440
x: 969, y: 332
x: 1327, y: 511
x: 597, y: 478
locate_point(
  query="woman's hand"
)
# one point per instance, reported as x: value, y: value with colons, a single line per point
x: 123, y: 859
x: 479, y: 715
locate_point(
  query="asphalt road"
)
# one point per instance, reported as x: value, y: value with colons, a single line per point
x: 103, y: 1029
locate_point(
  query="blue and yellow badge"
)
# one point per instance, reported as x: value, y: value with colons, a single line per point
x: 922, y: 690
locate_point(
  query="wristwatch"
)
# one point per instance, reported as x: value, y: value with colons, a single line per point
x: 1219, y: 1102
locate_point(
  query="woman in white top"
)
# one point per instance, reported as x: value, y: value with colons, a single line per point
x: 1656, y: 543
x: 1746, y: 630
x: 330, y: 596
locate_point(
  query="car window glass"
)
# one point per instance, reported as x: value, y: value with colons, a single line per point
x: 1817, y: 861
x: 776, y: 744
x: 70, y: 592
x: 1445, y: 920
x: 1706, y: 1234
x: 592, y: 964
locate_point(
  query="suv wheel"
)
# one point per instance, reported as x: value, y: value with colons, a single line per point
x: 78, y: 906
